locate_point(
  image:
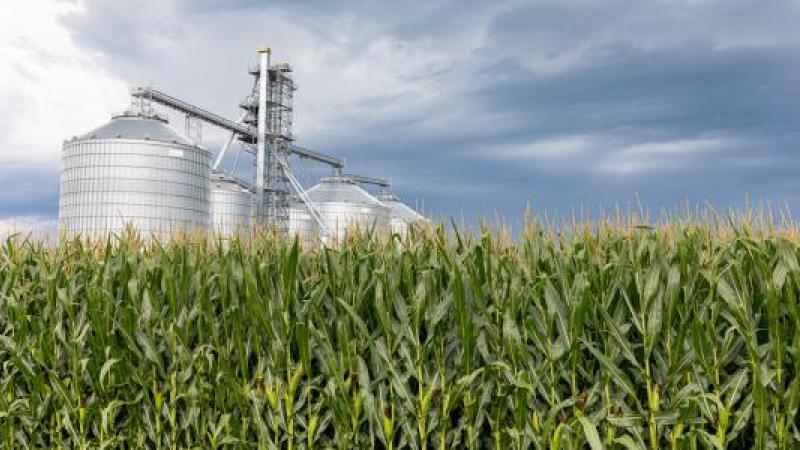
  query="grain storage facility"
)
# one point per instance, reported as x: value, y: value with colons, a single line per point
x: 401, y: 215
x: 133, y: 170
x: 231, y: 205
x: 343, y: 206
x: 302, y: 223
x: 136, y: 170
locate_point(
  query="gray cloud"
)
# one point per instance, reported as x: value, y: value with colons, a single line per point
x: 28, y: 192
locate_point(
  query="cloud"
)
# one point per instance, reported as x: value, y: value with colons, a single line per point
x: 648, y: 157
x: 561, y: 147
x: 29, y: 191
x: 50, y: 89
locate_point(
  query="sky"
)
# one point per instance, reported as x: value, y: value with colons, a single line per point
x: 474, y: 109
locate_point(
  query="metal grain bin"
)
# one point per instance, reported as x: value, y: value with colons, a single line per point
x: 401, y: 215
x: 231, y: 206
x: 133, y: 170
x: 344, y: 206
x: 301, y: 223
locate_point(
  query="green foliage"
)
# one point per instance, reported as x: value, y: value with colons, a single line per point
x: 616, y: 337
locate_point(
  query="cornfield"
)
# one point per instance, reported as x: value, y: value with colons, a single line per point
x: 606, y: 335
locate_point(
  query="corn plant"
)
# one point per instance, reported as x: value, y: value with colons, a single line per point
x: 606, y: 335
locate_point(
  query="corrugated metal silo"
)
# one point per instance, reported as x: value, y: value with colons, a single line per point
x: 401, y: 215
x: 301, y: 223
x: 343, y: 205
x: 231, y: 206
x: 133, y: 170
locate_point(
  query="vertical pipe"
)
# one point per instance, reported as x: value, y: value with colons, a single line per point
x: 261, y: 151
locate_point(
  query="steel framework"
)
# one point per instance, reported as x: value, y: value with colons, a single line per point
x: 265, y: 129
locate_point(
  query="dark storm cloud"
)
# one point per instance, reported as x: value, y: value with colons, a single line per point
x: 662, y: 92
x: 620, y: 97
x: 631, y: 95
x: 672, y: 101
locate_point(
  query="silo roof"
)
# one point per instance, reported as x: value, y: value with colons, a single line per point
x: 224, y: 181
x: 400, y: 210
x: 138, y: 126
x: 341, y: 190
x: 405, y: 212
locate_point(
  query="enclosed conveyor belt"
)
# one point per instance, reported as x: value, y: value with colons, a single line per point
x: 191, y: 110
x: 319, y: 157
x: 363, y: 179
x: 241, y: 129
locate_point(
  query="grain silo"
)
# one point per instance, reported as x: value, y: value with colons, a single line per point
x: 231, y: 206
x: 344, y: 206
x: 401, y: 215
x: 133, y: 170
x: 302, y: 223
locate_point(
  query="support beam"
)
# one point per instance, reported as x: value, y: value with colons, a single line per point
x: 363, y: 179
x: 224, y: 150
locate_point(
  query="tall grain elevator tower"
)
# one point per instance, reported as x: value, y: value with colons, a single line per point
x: 269, y: 108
